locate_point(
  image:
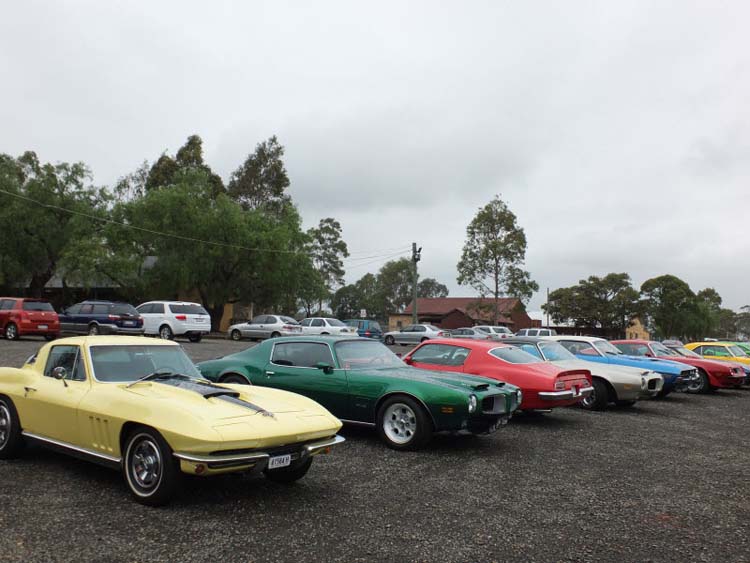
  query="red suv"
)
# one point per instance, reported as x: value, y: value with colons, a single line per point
x: 21, y: 316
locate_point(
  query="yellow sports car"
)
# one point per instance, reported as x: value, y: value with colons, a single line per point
x: 723, y: 351
x: 141, y: 406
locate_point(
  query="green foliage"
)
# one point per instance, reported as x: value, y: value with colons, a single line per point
x: 431, y: 288
x: 609, y: 303
x: 394, y: 289
x: 260, y: 182
x: 494, y: 253
x: 327, y: 250
x: 189, y: 157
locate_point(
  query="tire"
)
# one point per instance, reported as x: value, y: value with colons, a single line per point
x: 11, y: 331
x: 624, y: 403
x: 165, y: 333
x: 50, y: 337
x: 195, y: 337
x: 234, y: 379
x: 157, y: 483
x: 663, y: 393
x: 390, y: 341
x: 403, y: 424
x: 325, y: 334
x: 93, y: 329
x: 275, y: 334
x: 11, y: 440
x: 289, y: 474
x: 599, y: 399
x: 703, y: 385
x: 236, y: 335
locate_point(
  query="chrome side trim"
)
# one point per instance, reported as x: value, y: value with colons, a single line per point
x: 360, y: 423
x: 71, y: 447
x: 569, y: 394
x: 249, y: 458
x: 323, y: 444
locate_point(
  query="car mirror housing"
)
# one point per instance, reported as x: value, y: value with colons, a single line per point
x: 59, y: 372
x: 327, y: 368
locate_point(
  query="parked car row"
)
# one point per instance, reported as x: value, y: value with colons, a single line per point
x: 144, y: 408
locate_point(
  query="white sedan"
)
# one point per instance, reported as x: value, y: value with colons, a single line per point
x: 326, y: 325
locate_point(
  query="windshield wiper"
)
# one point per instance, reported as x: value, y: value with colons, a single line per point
x: 158, y: 374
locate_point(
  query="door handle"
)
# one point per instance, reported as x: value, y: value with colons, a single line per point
x: 27, y: 389
x: 270, y: 373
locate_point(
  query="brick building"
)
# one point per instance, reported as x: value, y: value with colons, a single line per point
x: 456, y: 312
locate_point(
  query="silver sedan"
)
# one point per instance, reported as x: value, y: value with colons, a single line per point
x: 265, y: 326
x: 413, y: 334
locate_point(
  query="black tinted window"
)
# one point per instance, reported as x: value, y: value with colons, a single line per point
x: 144, y: 309
x: 67, y: 357
x: 37, y: 306
x: 125, y: 309
x: 157, y: 308
x: 100, y: 309
x: 187, y: 309
x: 301, y: 354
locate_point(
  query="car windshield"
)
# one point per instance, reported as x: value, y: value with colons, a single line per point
x: 37, y: 306
x: 127, y: 363
x: 514, y: 355
x: 361, y: 354
x: 606, y: 348
x: 555, y: 352
x: 187, y: 309
x: 661, y: 350
x: 682, y: 351
x: 737, y: 352
x: 335, y: 322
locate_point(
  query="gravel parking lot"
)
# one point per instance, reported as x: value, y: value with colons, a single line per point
x: 664, y: 481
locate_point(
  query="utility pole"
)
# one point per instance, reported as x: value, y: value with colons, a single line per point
x: 547, y: 307
x: 416, y: 255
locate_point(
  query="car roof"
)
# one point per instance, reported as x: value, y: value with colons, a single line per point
x: 466, y: 343
x: 171, y: 302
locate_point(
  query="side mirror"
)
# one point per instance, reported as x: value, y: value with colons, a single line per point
x: 327, y: 368
x: 59, y: 373
x: 649, y: 355
x: 407, y: 361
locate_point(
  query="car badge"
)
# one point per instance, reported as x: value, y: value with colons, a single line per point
x: 267, y: 413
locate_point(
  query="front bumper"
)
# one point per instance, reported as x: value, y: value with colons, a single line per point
x: 566, y: 395
x: 200, y: 464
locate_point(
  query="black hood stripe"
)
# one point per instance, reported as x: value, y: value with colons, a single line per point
x: 210, y: 391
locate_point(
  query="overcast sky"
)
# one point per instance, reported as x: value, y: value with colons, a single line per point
x: 618, y: 132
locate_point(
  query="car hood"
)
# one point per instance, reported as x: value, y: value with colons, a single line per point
x: 449, y: 379
x: 653, y: 364
x: 216, y: 403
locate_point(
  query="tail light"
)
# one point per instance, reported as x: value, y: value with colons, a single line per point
x: 368, y: 333
x: 559, y: 385
x: 181, y: 317
x: 114, y: 317
x: 289, y: 327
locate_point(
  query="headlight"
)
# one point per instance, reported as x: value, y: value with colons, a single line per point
x: 472, y: 403
x: 519, y: 396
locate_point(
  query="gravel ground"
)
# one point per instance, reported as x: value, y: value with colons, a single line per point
x: 664, y: 481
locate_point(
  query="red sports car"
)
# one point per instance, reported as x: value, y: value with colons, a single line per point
x: 712, y: 374
x: 20, y: 316
x: 544, y: 386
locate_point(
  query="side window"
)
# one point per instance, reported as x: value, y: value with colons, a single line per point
x: 6, y: 304
x: 145, y: 309
x: 420, y: 328
x: 101, y: 309
x: 157, y: 308
x: 441, y: 354
x: 305, y: 322
x: 409, y: 328
x: 716, y: 351
x: 532, y: 332
x: 579, y: 347
x: 68, y: 357
x: 270, y: 320
x: 699, y: 350
x: 259, y: 320
x: 318, y: 322
x: 301, y: 354
x: 74, y: 310
x: 86, y: 309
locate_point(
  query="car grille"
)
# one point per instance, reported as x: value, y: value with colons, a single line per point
x: 652, y: 384
x: 494, y: 404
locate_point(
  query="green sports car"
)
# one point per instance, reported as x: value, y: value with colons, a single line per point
x: 361, y: 381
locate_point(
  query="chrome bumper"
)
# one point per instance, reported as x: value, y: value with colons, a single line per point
x: 567, y: 394
x: 253, y: 458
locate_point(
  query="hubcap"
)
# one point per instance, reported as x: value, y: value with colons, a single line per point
x: 165, y: 333
x: 696, y: 385
x: 236, y: 335
x: 10, y: 332
x: 588, y: 401
x: 399, y: 423
x: 4, y: 425
x: 145, y: 464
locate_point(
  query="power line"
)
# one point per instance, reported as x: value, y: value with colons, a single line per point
x: 381, y: 259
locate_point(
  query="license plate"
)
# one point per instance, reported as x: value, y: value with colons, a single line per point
x: 279, y: 461
x: 129, y: 323
x: 199, y: 320
x: 42, y: 327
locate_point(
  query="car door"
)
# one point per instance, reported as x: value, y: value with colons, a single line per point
x: 51, y: 406
x: 156, y: 316
x: 418, y: 334
x: 402, y: 336
x: 440, y: 357
x: 292, y: 367
x: 6, y: 305
x: 253, y: 328
x: 317, y: 326
x: 145, y: 312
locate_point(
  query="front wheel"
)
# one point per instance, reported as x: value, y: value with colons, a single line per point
x: 11, y: 331
x: 151, y: 471
x: 11, y: 440
x: 598, y: 400
x: 390, y: 341
x: 703, y: 385
x: 236, y: 335
x: 165, y: 333
x: 289, y: 474
x: 403, y: 424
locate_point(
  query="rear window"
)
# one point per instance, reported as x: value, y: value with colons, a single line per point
x: 188, y: 310
x: 37, y: 306
x: 374, y: 326
x: 335, y: 322
x: 513, y: 355
x: 288, y: 320
x: 123, y: 309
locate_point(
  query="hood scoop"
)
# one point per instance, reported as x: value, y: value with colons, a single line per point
x: 211, y: 391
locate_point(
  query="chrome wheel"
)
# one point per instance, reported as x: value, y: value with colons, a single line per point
x: 236, y: 335
x: 5, y: 422
x: 144, y: 464
x: 165, y: 333
x: 93, y: 330
x: 699, y: 384
x: 399, y: 423
x: 11, y: 331
x: 588, y: 402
